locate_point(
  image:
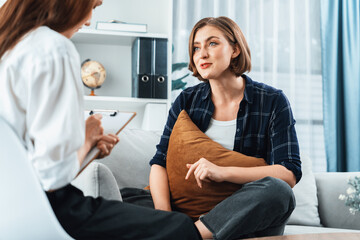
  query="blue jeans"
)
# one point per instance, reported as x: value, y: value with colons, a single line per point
x: 259, y: 208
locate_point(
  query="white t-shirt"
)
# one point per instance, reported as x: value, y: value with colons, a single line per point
x: 41, y: 96
x: 222, y: 132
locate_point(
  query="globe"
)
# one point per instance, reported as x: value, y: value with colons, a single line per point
x: 93, y: 74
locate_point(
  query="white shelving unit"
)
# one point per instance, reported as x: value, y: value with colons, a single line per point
x: 113, y: 50
x: 93, y: 36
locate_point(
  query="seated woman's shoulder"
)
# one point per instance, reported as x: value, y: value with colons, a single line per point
x: 202, y: 87
x: 262, y: 87
x: 192, y: 93
x: 197, y: 86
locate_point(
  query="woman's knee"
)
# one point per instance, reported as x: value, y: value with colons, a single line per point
x: 277, y: 193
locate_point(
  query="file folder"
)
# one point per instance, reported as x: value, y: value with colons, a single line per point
x: 160, y: 78
x: 149, y: 68
x: 142, y: 68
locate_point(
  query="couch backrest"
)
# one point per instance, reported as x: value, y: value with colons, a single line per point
x: 306, y: 210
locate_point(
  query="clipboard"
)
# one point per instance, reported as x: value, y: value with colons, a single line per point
x: 113, y: 121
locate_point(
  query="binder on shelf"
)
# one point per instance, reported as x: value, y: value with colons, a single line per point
x: 160, y: 80
x: 141, y: 68
x: 113, y: 121
x: 115, y: 25
x: 149, y: 68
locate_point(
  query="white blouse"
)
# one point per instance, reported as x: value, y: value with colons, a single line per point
x: 41, y: 96
x: 222, y: 132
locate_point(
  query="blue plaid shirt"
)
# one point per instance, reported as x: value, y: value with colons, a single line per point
x: 265, y: 125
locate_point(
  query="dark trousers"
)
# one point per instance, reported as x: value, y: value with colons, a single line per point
x: 260, y: 208
x: 97, y: 218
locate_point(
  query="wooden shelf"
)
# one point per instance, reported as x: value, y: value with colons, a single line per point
x: 94, y: 36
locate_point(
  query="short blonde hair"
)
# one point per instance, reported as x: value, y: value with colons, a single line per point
x: 235, y: 37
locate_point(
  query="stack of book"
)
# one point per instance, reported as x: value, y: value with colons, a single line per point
x: 115, y: 25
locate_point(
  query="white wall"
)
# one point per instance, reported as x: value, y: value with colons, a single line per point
x: 129, y: 11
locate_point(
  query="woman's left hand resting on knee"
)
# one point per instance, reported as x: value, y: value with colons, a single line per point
x: 206, y: 171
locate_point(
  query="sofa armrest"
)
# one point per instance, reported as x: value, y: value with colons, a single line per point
x: 97, y: 181
x: 333, y: 212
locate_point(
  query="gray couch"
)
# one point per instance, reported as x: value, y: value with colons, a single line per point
x: 318, y: 208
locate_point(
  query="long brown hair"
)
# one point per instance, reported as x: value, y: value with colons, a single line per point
x: 17, y: 17
x: 235, y: 37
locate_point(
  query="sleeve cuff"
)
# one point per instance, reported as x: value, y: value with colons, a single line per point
x: 158, y: 162
x: 290, y: 166
x: 61, y: 174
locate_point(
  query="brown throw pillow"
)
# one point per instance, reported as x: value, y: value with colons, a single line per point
x: 187, y: 145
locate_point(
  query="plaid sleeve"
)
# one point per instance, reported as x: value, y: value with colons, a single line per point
x: 284, y: 144
x: 161, y: 149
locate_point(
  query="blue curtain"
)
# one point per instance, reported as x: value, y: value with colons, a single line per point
x: 340, y: 39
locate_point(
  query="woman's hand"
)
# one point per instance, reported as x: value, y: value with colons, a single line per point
x: 93, y: 133
x: 94, y: 136
x: 93, y: 130
x: 106, y: 144
x: 205, y: 171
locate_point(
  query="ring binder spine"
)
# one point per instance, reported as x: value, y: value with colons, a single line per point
x: 160, y: 79
x: 149, y: 68
x: 141, y: 68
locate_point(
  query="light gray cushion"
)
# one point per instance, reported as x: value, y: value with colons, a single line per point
x: 129, y: 160
x: 306, y: 211
x: 97, y: 180
x: 333, y: 211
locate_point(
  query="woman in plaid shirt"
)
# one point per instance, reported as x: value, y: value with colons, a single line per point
x: 262, y: 125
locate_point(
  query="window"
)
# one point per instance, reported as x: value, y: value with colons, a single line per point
x: 284, y: 39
